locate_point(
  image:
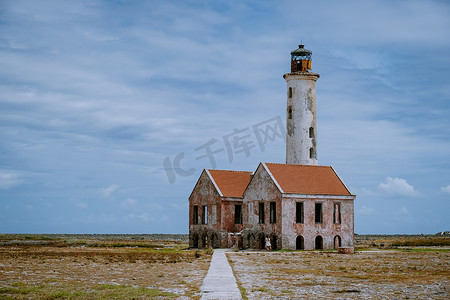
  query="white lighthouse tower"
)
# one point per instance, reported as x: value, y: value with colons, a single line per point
x: 301, y: 139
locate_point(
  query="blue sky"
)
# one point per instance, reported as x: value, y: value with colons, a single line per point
x: 107, y: 107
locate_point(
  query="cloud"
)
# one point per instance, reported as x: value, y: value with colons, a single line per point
x: 403, y: 211
x: 366, y: 210
x: 446, y: 189
x: 72, y: 120
x: 106, y: 192
x: 155, y: 206
x: 81, y: 204
x: 403, y: 215
x: 27, y: 207
x: 8, y: 180
x: 398, y: 186
x: 129, y: 203
x: 146, y: 217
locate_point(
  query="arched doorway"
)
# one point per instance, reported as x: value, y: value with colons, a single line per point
x: 300, y: 243
x: 337, y: 242
x: 214, y: 240
x: 319, y: 242
x: 251, y: 240
x: 274, y: 241
x: 262, y: 241
x: 204, y: 241
x: 195, y: 241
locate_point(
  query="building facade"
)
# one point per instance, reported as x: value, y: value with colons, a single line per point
x: 298, y: 205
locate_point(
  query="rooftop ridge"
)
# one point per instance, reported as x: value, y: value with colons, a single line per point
x: 230, y: 171
x: 282, y: 164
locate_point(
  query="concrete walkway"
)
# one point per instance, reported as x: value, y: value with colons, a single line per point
x: 219, y: 282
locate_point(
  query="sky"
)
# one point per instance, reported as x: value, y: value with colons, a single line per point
x: 110, y: 110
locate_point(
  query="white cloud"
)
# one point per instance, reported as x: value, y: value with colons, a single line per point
x: 27, y: 207
x: 130, y: 202
x: 366, y: 210
x: 81, y: 204
x: 106, y: 192
x: 403, y: 211
x: 398, y: 186
x: 403, y: 215
x: 446, y: 189
x: 8, y: 180
x: 145, y: 217
x: 155, y: 206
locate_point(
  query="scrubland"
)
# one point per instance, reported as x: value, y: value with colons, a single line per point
x: 383, y: 267
x: 162, y: 267
x: 100, y: 267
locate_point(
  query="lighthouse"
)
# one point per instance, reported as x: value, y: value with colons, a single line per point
x: 298, y: 205
x: 301, y: 138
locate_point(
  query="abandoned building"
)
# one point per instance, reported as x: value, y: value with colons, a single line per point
x: 298, y: 205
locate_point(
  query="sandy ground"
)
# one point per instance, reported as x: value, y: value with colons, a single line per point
x: 179, y: 272
x: 105, y: 267
x: 383, y: 274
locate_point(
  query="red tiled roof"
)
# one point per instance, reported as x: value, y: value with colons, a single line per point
x: 306, y: 179
x: 231, y: 183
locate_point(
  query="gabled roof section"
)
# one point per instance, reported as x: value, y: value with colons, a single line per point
x: 307, y: 179
x: 230, y: 183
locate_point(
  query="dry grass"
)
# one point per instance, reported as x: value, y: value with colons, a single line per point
x: 395, y: 241
x: 157, y: 266
x: 366, y: 274
x: 102, y: 269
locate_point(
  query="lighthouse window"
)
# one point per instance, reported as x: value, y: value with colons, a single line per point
x: 290, y: 92
x: 289, y: 112
x: 311, y: 132
x: 311, y: 153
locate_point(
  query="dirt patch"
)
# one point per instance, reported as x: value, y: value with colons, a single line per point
x: 385, y: 274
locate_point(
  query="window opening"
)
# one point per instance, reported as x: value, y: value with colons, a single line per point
x: 311, y: 132
x: 195, y: 215
x: 311, y: 153
x: 337, y: 213
x: 290, y: 92
x: 299, y: 212
x: 273, y: 212
x: 238, y: 214
x: 204, y: 215
x: 318, y: 213
x: 289, y: 112
x: 261, y: 213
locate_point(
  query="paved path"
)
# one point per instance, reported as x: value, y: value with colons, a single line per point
x: 220, y: 283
